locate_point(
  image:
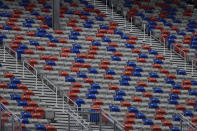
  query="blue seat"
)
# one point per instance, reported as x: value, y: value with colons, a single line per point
x: 157, y: 90
x: 176, y: 118
x: 121, y: 93
x: 35, y: 13
x: 124, y: 36
x: 103, y: 27
x: 96, y: 43
x: 41, y: 30
x: 77, y: 46
x: 148, y: 122
x: 27, y: 25
x: 118, y: 32
x: 154, y: 100
x: 99, y: 18
x: 111, y: 49
x: 92, y: 90
x: 91, y: 96
x: 174, y: 96
x: 169, y: 81
x: 73, y: 37
x: 55, y: 40
x: 110, y: 72
x: 92, y: 70
x: 195, y: 108
x: 188, y: 113
x: 132, y: 110
x: 40, y: 127
x: 82, y: 75
x: 129, y: 46
x: 75, y: 50
x: 69, y: 12
x: 86, y: 14
x: 95, y: 86
x: 15, y: 97
x: 114, y: 109
x: 124, y: 83
x: 47, y: 6
x: 153, y: 105
x: 29, y: 20
x: 174, y: 129
x: 3, y: 35
x: 127, y: 78
x: 35, y: 43
x: 140, y: 89
x: 94, y: 116
x: 50, y: 36
x: 75, y: 33
x: 141, y: 116
x: 70, y: 79
x: 153, y: 52
x: 79, y: 60
x: 106, y: 39
x: 19, y: 53
x: 142, y: 56
x: 22, y: 46
x: 153, y: 75
x: 40, y: 34
x: 22, y: 103
x: 0, y: 65
x: 158, y: 61
x: 138, y: 69
x: 26, y: 115
x: 25, y: 120
x: 193, y: 92
x: 50, y: 63
x: 115, y: 58
x: 118, y: 98
x: 194, y: 82
x: 136, y: 73
x: 173, y: 101
x: 15, y: 81
x: 6, y: 27
x: 12, y: 86
x: 129, y: 63
x: 87, y: 25
x: 176, y: 86
x: 79, y: 101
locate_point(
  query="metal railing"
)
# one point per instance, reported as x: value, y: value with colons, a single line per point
x: 9, y: 121
x: 73, y: 112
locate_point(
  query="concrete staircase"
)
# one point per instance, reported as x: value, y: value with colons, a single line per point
x: 156, y: 45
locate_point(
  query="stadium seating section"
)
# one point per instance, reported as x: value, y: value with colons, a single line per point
x: 98, y: 65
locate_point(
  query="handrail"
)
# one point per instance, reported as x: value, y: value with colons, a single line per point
x: 76, y: 107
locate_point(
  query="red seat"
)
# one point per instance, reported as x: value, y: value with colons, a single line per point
x: 171, y: 76
x: 28, y: 92
x: 136, y: 99
x: 147, y: 94
x: 131, y: 41
x: 164, y: 71
x: 190, y: 102
x: 113, y: 87
x: 53, y: 58
x: 103, y: 66
x: 89, y: 38
x: 108, y: 77
x: 30, y: 33
x: 112, y: 27
x: 186, y: 87
x: 66, y: 50
x: 186, y: 82
x: 62, y: 40
x: 136, y: 51
x: 102, y: 31
x: 26, y: 97
x: 160, y: 57
x: 159, y: 117
x: 186, y: 42
x: 107, y: 62
x: 44, y: 26
x: 16, y: 41
x: 63, y: 54
x: 100, y: 35
x: 22, y: 86
x: 133, y: 37
x: 50, y: 44
x: 74, y: 90
x: 47, y: 67
x: 180, y: 107
x: 92, y: 52
x: 5, y: 102
x: 74, y: 69
x: 127, y: 127
x: 127, y: 73
x: 153, y: 80
x: 50, y: 128
x: 112, y: 44
x: 113, y: 23
x: 76, y: 85
x: 10, y: 23
x: 29, y: 51
x: 32, y: 104
x: 156, y: 128
x: 174, y: 28
x: 84, y: 17
x: 142, y: 84
x: 175, y: 91
x: 8, y: 75
x: 72, y: 96
x: 188, y: 37
x: 86, y: 65
x: 130, y: 115
x: 129, y: 68
x: 129, y: 120
x: 147, y: 47
x: 72, y: 20
x: 37, y: 115
x: 110, y: 31
x: 88, y: 80
x: 30, y: 109
x: 141, y: 60
x: 167, y: 123
x: 77, y: 29
x: 98, y: 102
x: 63, y: 73
x: 3, y: 85
x: 160, y: 111
x: 125, y: 103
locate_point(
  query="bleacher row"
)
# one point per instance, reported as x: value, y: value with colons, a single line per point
x: 21, y: 101
x: 172, y: 21
x: 98, y: 65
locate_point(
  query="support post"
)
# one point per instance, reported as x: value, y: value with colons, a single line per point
x: 56, y: 97
x: 100, y: 120
x: 112, y: 11
x: 36, y: 80
x: 56, y: 11
x: 150, y: 38
x: 106, y: 7
x: 12, y: 123
x: 171, y: 49
x: 23, y: 69
x: 16, y: 62
x: 4, y: 53
x: 185, y: 64
x: 144, y: 32
x: 68, y: 122
x: 0, y: 118
x: 192, y: 67
x: 164, y: 47
x: 42, y: 87
x: 131, y: 24
x: 63, y: 104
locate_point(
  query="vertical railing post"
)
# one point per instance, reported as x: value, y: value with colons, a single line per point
x: 112, y: 11
x: 12, y: 123
x: 68, y: 122
x: 23, y: 69
x: 114, y: 125
x: 16, y: 61
x: 20, y: 125
x: 181, y: 124
x: 63, y: 104
x: 42, y: 87
x: 171, y: 51
x: 144, y: 32
x: 100, y: 119
x: 185, y: 62
x: 164, y: 47
x: 192, y: 67
x: 36, y: 79
x: 131, y: 24
x: 3, y: 52
x: 0, y: 118
x: 56, y: 97
x: 150, y: 39
x: 106, y: 7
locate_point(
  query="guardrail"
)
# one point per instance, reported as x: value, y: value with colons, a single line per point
x: 72, y: 113
x: 9, y: 121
